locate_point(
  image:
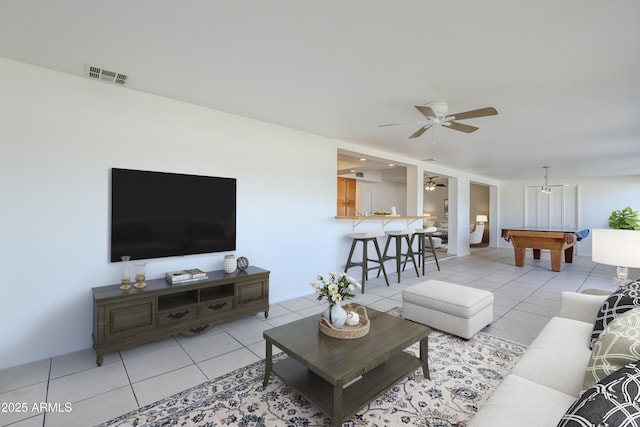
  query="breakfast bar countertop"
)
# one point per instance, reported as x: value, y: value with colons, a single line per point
x: 386, y: 219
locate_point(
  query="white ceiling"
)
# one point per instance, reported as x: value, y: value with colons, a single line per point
x: 563, y: 75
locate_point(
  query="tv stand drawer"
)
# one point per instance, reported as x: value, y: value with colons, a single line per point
x: 214, y: 307
x: 178, y: 315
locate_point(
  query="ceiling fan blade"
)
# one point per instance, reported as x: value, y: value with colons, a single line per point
x: 420, y: 131
x: 396, y: 124
x: 482, y: 112
x: 426, y: 111
x: 460, y: 127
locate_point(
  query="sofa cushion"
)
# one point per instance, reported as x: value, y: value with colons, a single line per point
x: 558, y: 356
x: 581, y: 306
x: 619, y: 302
x: 614, y: 401
x: 521, y: 402
x: 617, y: 345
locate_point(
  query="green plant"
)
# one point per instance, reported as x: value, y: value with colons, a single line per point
x: 625, y: 219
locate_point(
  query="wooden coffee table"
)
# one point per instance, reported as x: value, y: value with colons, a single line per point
x: 342, y: 376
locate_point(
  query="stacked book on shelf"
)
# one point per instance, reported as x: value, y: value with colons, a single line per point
x: 185, y: 276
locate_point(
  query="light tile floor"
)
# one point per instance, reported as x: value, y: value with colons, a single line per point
x: 81, y: 394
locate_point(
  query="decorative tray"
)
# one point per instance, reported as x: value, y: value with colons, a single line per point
x: 347, y: 332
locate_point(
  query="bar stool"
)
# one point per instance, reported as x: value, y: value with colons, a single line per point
x: 401, y: 258
x: 365, y: 238
x: 423, y: 247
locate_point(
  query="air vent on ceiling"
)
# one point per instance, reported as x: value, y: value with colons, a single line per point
x: 108, y: 76
x: 359, y: 174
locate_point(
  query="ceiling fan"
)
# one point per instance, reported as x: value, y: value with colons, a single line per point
x: 430, y: 185
x: 435, y: 113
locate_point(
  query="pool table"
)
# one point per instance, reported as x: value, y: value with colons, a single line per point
x: 556, y: 240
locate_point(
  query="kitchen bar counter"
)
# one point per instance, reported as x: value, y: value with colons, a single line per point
x: 386, y: 219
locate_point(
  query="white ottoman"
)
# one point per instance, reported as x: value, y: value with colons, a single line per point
x: 459, y: 310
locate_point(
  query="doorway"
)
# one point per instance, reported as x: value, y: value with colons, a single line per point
x: 479, y: 202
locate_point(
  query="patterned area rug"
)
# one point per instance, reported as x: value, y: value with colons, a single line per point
x: 463, y: 375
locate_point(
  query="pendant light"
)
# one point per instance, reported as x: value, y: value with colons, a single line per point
x: 545, y: 189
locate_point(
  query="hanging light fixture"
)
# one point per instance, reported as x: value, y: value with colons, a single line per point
x: 545, y: 189
x: 430, y: 185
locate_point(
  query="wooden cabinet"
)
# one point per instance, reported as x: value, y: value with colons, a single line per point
x: 346, y: 197
x: 123, y: 319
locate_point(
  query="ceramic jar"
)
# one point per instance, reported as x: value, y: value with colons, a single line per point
x: 230, y: 263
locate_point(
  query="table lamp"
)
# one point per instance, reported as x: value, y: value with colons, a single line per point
x: 481, y: 219
x: 617, y: 247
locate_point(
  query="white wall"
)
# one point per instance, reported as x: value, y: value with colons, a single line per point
x: 598, y: 197
x: 60, y: 136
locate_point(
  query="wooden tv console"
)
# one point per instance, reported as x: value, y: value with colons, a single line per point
x: 123, y: 319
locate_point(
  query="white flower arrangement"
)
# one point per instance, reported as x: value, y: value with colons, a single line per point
x: 336, y: 287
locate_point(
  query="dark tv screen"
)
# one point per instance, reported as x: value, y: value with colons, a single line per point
x: 159, y: 214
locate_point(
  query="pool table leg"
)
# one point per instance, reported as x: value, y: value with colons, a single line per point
x: 519, y: 255
x: 568, y: 254
x: 556, y: 259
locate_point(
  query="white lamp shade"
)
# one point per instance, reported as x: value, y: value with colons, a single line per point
x: 616, y: 247
x: 481, y: 218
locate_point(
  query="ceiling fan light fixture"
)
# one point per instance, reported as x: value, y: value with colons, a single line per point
x: 430, y: 186
x: 440, y: 108
x: 545, y: 189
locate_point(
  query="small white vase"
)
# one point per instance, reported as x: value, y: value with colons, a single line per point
x: 230, y: 263
x: 353, y: 319
x: 336, y: 315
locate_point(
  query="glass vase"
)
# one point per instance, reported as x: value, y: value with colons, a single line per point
x: 140, y: 275
x: 126, y: 275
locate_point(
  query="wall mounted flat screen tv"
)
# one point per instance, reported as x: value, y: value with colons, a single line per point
x: 159, y: 214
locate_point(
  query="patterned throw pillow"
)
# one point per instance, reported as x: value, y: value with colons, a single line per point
x: 614, y: 401
x: 618, y: 345
x: 624, y: 299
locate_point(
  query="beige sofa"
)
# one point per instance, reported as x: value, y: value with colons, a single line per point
x: 548, y: 377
